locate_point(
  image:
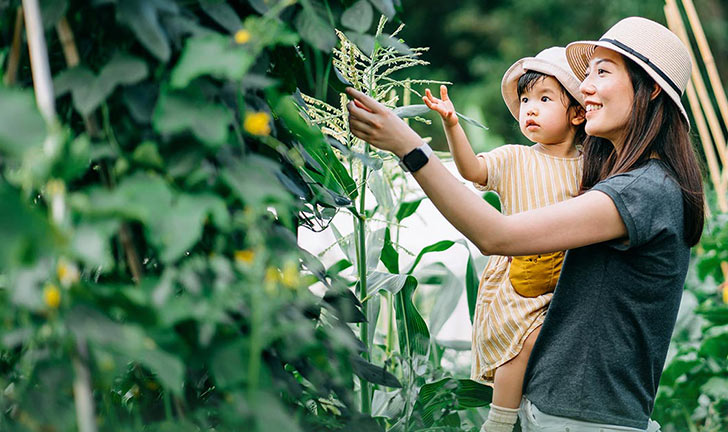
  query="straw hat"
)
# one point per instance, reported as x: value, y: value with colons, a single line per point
x: 652, y: 46
x: 551, y: 61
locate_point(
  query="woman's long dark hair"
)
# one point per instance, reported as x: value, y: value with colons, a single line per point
x: 654, y: 127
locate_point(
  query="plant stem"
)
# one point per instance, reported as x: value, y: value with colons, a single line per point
x: 366, y: 402
x: 82, y: 393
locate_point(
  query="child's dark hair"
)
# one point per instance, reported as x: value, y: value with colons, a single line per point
x: 530, y: 78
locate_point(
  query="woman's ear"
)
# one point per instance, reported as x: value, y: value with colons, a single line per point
x: 579, y: 115
x: 655, y: 91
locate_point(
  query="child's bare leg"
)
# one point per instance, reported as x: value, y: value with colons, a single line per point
x: 508, y: 389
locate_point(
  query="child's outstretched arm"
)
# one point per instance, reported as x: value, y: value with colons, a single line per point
x: 470, y: 166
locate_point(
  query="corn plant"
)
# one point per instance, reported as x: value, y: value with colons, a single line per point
x: 370, y: 65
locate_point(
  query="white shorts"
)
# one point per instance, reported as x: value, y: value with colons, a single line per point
x: 533, y: 420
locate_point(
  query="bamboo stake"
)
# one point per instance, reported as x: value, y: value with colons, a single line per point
x: 65, y: 35
x: 39, y: 61
x: 675, y: 23
x: 82, y: 389
x: 708, y: 59
x: 14, y: 60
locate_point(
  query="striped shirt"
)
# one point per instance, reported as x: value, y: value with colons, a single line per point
x: 525, y: 179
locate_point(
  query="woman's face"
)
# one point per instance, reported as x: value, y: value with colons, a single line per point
x: 608, y: 95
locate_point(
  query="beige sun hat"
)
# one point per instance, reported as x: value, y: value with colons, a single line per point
x: 652, y: 46
x: 551, y: 61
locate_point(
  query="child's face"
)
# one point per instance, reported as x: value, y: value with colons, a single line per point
x: 544, y: 115
x: 608, y: 95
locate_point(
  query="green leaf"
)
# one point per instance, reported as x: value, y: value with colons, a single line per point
x: 254, y: 181
x: 229, y: 364
x: 212, y: 54
x: 411, y: 110
x: 91, y: 243
x: 472, y: 283
x: 436, y: 247
x: 147, y: 154
x: 25, y: 233
x: 358, y: 17
x: 716, y: 388
x: 142, y: 17
x: 90, y: 91
x: 407, y: 209
x: 372, y: 373
x: 52, y: 11
x: 448, y: 293
x: 387, y: 404
x: 21, y: 125
x: 473, y: 122
x: 715, y: 342
x: 222, y: 13
x: 378, y: 281
x: 386, y: 40
x: 389, y: 256
x: 386, y: 7
x: 492, y: 198
x: 414, y: 337
x: 178, y: 112
x: 315, y: 30
x: 374, y: 244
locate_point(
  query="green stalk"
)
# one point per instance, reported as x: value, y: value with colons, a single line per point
x: 366, y: 401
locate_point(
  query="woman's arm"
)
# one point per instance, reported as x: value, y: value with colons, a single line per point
x: 588, y: 219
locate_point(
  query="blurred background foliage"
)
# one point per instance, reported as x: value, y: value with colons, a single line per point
x: 149, y: 265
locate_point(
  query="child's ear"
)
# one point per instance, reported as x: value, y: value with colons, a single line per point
x: 579, y: 115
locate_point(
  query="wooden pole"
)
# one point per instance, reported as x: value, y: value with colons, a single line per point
x: 14, y: 59
x: 697, y: 96
x: 39, y: 61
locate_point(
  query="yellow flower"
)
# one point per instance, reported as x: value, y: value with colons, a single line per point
x: 725, y: 292
x: 67, y: 272
x: 290, y: 277
x: 242, y: 36
x: 272, y: 275
x: 52, y: 296
x: 244, y: 256
x: 257, y: 123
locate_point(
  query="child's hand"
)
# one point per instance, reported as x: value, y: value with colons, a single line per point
x: 442, y: 106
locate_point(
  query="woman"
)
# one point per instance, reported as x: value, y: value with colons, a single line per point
x: 598, y: 359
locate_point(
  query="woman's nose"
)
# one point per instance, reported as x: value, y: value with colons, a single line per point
x: 586, y: 87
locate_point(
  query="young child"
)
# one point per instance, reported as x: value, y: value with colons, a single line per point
x: 543, y: 95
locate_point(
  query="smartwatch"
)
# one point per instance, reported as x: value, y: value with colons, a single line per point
x: 416, y: 159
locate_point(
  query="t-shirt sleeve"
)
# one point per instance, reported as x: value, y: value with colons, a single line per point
x: 495, y: 164
x: 643, y: 201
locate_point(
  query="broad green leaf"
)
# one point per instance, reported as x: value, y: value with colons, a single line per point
x: 178, y: 112
x: 411, y: 110
x: 473, y: 122
x: 212, y: 54
x: 254, y: 181
x: 222, y: 13
x: 90, y: 91
x: 147, y: 154
x: 91, y: 243
x: 448, y: 294
x: 386, y: 40
x: 373, y: 306
x: 345, y: 305
x: 52, y: 11
x: 472, y: 282
x: 414, y: 337
x: 492, y: 199
x: 436, y: 247
x: 378, y: 281
x: 386, y: 7
x: 374, y: 244
x: 372, y: 373
x: 143, y: 18
x: 229, y: 365
x: 387, y: 404
x: 267, y: 32
x: 716, y: 388
x: 21, y: 125
x: 389, y: 256
x: 336, y: 177
x: 715, y: 342
x: 407, y: 209
x: 358, y: 17
x: 315, y: 30
x: 24, y: 231
x: 271, y: 414
x: 364, y: 42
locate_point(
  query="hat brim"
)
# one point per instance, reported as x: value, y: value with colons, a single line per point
x: 509, y: 84
x: 579, y: 53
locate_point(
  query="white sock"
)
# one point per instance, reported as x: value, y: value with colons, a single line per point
x: 500, y: 419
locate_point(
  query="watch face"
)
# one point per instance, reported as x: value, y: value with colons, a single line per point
x: 415, y: 160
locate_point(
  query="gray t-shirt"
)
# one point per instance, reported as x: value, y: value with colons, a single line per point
x: 602, y: 348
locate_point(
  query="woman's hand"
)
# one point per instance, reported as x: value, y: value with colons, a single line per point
x: 379, y: 126
x: 442, y: 106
